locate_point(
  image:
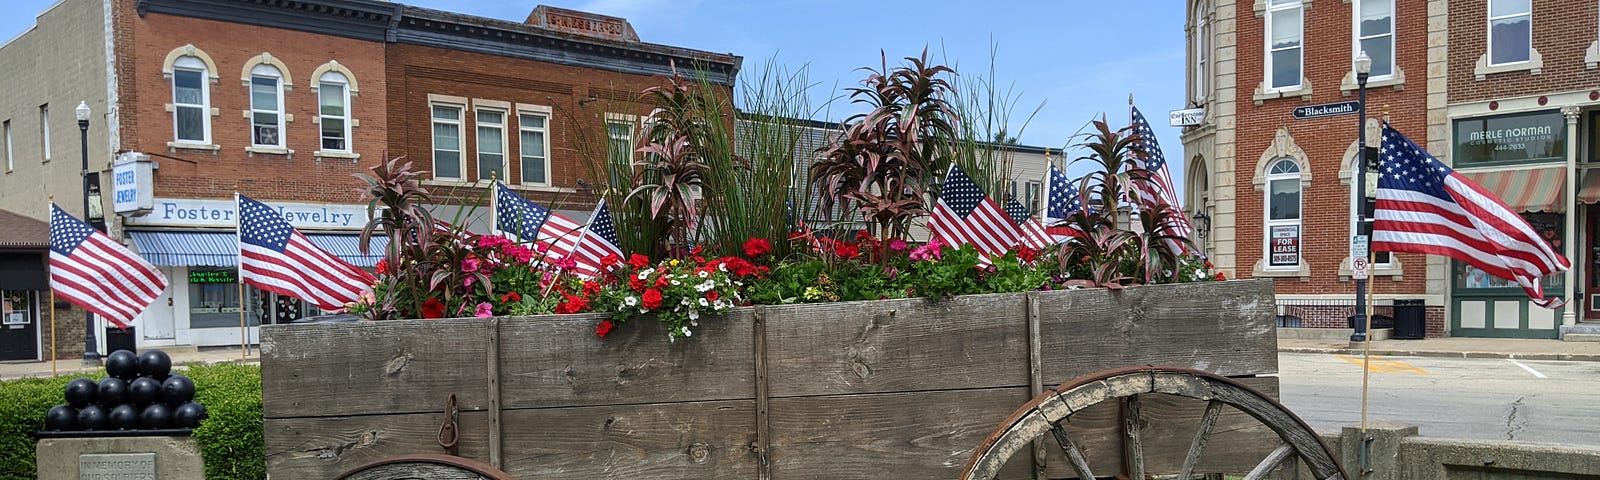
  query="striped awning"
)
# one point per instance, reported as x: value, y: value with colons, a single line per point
x: 221, y: 249
x: 1526, y: 190
x: 1589, y: 188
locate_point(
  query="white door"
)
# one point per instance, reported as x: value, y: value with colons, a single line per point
x: 157, y: 323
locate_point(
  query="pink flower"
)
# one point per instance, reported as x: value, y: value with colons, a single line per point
x: 467, y: 282
x: 897, y: 245
x: 568, y: 263
x: 931, y: 251
x: 484, y: 310
x: 470, y: 264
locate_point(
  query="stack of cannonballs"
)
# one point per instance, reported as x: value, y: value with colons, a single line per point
x: 139, y: 392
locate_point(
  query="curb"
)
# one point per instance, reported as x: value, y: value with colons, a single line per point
x: 1569, y: 357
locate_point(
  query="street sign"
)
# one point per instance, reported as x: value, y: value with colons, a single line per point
x: 1326, y: 110
x: 1187, y: 117
x: 1359, y: 268
x: 1358, y: 246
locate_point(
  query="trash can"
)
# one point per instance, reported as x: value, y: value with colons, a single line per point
x: 119, y: 339
x: 1410, y: 320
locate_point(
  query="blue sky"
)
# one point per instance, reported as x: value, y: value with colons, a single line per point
x: 1075, y: 60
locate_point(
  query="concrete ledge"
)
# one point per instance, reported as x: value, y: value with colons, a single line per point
x: 1581, y: 337
x: 1571, y: 357
x: 1331, y: 334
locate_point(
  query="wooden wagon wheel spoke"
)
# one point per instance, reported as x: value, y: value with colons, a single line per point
x: 1046, y: 413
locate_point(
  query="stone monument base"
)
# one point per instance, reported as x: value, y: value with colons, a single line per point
x: 120, y: 458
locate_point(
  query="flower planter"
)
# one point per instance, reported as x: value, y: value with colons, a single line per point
x: 872, y: 390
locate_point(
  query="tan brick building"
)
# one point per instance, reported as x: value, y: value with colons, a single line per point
x: 1270, y: 163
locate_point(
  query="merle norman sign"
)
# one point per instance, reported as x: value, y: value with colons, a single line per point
x: 1326, y: 110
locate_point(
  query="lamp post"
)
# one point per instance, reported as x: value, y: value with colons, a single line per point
x: 1202, y: 221
x: 91, y: 354
x: 1363, y: 66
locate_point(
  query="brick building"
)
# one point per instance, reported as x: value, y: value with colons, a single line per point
x: 1497, y: 89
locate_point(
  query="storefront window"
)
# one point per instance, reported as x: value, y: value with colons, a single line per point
x: 16, y: 307
x: 1470, y: 279
x: 214, y: 298
x: 1514, y: 138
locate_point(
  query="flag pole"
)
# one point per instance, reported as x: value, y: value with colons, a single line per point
x: 244, y: 333
x: 52, y: 307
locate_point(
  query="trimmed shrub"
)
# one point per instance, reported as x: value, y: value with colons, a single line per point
x: 23, y: 403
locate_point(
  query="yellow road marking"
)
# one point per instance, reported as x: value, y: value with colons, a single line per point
x: 1384, y: 365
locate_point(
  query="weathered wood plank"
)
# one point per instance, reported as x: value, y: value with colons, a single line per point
x: 974, y: 341
x: 1226, y: 328
x: 397, y: 366
x: 1170, y: 423
x: 892, y: 435
x: 557, y: 360
x: 325, y: 447
x: 663, y: 441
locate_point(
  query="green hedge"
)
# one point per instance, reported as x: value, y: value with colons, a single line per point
x: 230, y: 440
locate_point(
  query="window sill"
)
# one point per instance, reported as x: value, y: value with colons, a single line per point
x: 1348, y: 85
x: 1591, y: 57
x: 319, y: 154
x: 269, y: 151
x: 1261, y: 271
x: 175, y: 146
x: 542, y: 188
x: 1534, y: 65
x: 1265, y: 92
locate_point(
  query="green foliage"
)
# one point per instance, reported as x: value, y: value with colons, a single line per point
x: 230, y: 439
x: 928, y: 271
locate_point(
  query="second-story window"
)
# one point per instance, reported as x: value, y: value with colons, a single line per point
x: 1510, y: 31
x: 1284, y: 42
x: 535, y: 148
x: 266, y: 107
x: 191, y: 101
x: 333, y: 110
x: 1202, y: 52
x: 44, y: 130
x: 1375, y: 34
x: 447, y: 141
x: 491, y: 144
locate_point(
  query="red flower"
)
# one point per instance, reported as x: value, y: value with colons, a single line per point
x: 756, y: 247
x: 1220, y: 277
x: 694, y: 254
x: 610, y: 261
x: 651, y: 298
x: 712, y: 295
x: 638, y: 261
x: 383, y: 266
x: 591, y: 287
x: 635, y: 283
x: 433, y: 308
x: 572, y: 304
x: 510, y: 297
x: 846, y: 250
x: 662, y: 281
x: 603, y: 328
x: 739, y: 266
x: 862, y: 236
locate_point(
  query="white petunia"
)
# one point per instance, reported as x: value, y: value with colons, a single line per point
x: 694, y: 315
x: 704, y: 303
x: 705, y: 286
x: 687, y: 333
x: 675, y: 283
x: 722, y: 267
x: 703, y: 274
x: 631, y: 301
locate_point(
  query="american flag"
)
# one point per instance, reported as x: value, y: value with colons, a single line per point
x: 1061, y: 201
x: 1032, y: 232
x: 95, y: 272
x: 528, y: 221
x: 596, y: 241
x: 273, y: 256
x: 1425, y: 207
x: 964, y: 214
x: 1159, y: 190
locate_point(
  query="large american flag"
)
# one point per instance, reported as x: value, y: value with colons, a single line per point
x: 1031, y: 231
x: 1160, y: 189
x: 597, y: 240
x: 95, y: 272
x: 1425, y: 207
x: 964, y: 214
x: 531, y: 222
x: 273, y: 256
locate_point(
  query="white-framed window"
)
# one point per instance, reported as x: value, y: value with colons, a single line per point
x: 1034, y: 192
x: 533, y: 142
x: 1285, y: 38
x: 446, y: 141
x: 191, y: 101
x: 1510, y: 31
x: 491, y: 143
x: 620, y: 133
x: 266, y: 107
x: 10, y: 164
x: 44, y: 130
x: 1283, y: 202
x: 1374, y: 32
x: 333, y: 112
x: 1202, y: 51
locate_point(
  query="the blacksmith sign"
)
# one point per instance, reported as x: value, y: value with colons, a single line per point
x: 1326, y: 110
x: 1513, y: 138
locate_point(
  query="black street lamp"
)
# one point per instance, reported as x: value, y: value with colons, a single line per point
x: 1202, y: 222
x: 1363, y: 66
x: 91, y: 354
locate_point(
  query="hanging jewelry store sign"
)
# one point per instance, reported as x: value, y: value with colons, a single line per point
x: 1285, y: 245
x: 1513, y: 138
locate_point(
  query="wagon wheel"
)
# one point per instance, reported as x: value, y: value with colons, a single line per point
x: 1045, y: 414
x: 425, y: 467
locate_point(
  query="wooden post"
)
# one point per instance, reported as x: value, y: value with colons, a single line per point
x: 1035, y: 375
x: 763, y: 404
x: 493, y: 356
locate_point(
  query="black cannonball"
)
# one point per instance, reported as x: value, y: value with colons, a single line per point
x: 92, y: 417
x: 113, y: 391
x: 122, y: 364
x: 177, y: 390
x: 61, y: 417
x: 189, y: 415
x: 144, y: 391
x: 155, y: 363
x: 81, y: 392
x: 125, y: 417
x: 155, y: 416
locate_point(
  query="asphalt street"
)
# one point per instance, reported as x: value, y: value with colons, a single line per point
x: 1484, y: 399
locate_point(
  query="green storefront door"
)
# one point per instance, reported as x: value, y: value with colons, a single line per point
x: 1484, y: 306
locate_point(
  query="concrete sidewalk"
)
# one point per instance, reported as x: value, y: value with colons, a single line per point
x: 74, y: 366
x: 1518, y: 348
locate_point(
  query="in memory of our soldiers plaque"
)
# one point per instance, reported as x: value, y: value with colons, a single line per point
x: 117, y: 466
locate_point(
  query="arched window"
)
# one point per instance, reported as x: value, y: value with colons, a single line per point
x: 191, y: 100
x: 266, y: 107
x: 1202, y: 52
x: 1283, y: 205
x: 333, y: 111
